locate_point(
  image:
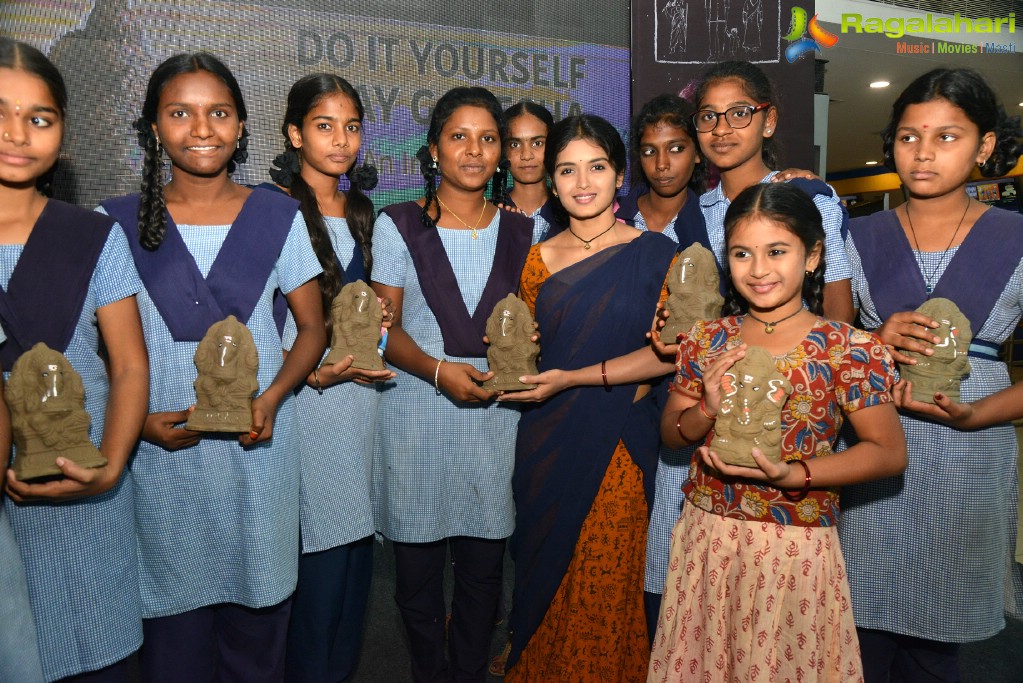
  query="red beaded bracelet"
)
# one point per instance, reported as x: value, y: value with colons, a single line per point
x: 801, y: 494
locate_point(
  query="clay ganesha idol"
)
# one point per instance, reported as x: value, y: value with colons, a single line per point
x: 227, y: 363
x: 512, y: 352
x: 46, y: 398
x: 693, y: 284
x: 356, y: 316
x: 753, y: 395
x: 943, y: 371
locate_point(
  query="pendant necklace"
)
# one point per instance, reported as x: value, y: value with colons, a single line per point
x: 769, y: 326
x: 473, y: 228
x: 586, y: 243
x: 929, y: 282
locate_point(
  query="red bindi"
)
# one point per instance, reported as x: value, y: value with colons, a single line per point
x: 925, y: 126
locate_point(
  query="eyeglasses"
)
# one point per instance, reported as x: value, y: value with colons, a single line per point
x: 736, y: 117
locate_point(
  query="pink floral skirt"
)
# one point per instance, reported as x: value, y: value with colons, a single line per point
x: 754, y: 601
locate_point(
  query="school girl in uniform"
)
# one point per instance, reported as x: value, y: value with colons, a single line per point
x: 19, y: 647
x: 337, y: 405
x: 736, y: 119
x: 670, y: 172
x: 928, y: 551
x: 67, y: 281
x: 756, y: 585
x: 444, y: 449
x: 529, y: 124
x: 217, y: 514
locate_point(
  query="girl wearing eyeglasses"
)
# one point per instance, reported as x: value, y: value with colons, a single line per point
x: 736, y: 120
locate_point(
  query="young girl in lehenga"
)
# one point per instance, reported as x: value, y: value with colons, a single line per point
x: 756, y: 581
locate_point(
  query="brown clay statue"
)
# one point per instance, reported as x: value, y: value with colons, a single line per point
x: 512, y: 352
x: 944, y: 370
x: 48, y: 418
x: 694, y: 295
x: 753, y: 394
x: 356, y: 316
x: 227, y: 363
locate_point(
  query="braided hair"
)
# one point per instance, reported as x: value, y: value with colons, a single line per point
x: 967, y: 90
x: 23, y: 57
x: 304, y: 95
x: 152, y: 208
x: 450, y: 102
x: 793, y: 208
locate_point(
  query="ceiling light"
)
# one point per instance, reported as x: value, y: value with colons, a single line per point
x: 880, y: 84
x: 871, y: 163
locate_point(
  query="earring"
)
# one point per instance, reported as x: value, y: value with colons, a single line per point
x: 809, y: 273
x: 434, y: 164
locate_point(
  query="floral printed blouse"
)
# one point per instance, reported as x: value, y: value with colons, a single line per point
x: 835, y: 370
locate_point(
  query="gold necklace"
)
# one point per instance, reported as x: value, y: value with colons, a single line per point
x: 586, y: 243
x: 769, y: 326
x: 474, y: 228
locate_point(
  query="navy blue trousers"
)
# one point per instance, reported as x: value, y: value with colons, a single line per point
x: 895, y: 658
x: 652, y: 608
x: 327, y: 613
x: 118, y: 672
x: 224, y: 642
x: 478, y: 564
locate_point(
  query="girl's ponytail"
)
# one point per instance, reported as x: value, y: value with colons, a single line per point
x: 152, y: 209
x: 360, y: 210
x: 813, y: 287
x: 428, y: 167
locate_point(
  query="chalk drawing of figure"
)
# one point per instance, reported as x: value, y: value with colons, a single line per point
x: 753, y: 24
x: 732, y: 41
x: 678, y: 14
x: 717, y: 27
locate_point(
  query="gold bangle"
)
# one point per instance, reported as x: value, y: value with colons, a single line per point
x: 703, y: 410
x: 436, y: 376
x: 316, y: 378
